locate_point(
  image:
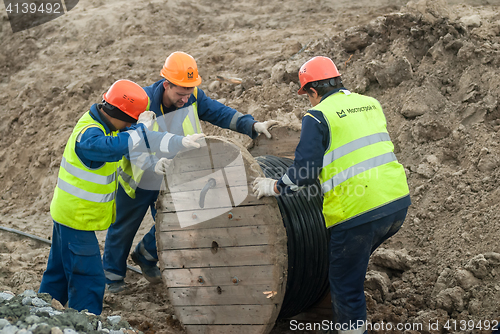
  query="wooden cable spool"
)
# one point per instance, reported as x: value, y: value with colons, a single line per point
x: 222, y: 252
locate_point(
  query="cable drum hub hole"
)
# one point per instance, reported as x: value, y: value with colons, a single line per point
x: 215, y: 247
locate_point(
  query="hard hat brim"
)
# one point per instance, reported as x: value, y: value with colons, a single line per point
x: 194, y: 83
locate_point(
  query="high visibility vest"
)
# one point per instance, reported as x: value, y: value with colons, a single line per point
x: 84, y: 198
x: 360, y: 171
x: 183, y: 121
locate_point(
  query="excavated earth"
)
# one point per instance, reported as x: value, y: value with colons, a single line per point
x: 433, y: 65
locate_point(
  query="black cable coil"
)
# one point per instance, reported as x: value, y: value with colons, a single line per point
x: 308, y: 238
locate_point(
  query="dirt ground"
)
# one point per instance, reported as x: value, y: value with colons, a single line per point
x: 434, y: 66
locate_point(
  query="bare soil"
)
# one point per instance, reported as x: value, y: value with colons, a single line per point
x: 434, y: 66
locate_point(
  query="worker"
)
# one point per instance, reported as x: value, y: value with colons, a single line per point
x: 179, y: 106
x: 84, y: 198
x: 344, y: 142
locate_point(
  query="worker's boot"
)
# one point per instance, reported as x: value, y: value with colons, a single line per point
x: 116, y: 287
x: 150, y: 272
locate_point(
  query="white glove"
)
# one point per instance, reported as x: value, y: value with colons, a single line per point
x: 147, y: 118
x: 263, y: 186
x: 162, y: 166
x: 190, y: 141
x: 263, y: 127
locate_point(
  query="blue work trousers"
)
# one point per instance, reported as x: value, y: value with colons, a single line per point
x: 349, y: 252
x: 74, y: 271
x: 129, y: 215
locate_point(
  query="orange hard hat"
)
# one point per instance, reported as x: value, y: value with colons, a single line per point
x: 181, y: 70
x: 316, y: 69
x: 127, y: 96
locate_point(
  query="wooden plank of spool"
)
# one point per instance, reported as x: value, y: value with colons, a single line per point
x: 220, y: 249
x: 227, y: 236
x: 218, y: 295
x: 236, y: 217
x: 247, y: 275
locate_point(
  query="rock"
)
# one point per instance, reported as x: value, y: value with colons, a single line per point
x: 214, y: 86
x: 475, y: 306
x: 478, y: 265
x: 432, y: 130
x: 379, y: 283
x: 278, y: 72
x: 9, y: 329
x: 466, y: 279
x: 420, y: 100
x: 492, y: 257
x: 285, y: 72
x: 5, y: 296
x: 37, y: 302
x: 488, y: 163
x: 430, y: 10
x: 432, y: 159
x: 26, y: 301
x: 3, y: 323
x: 69, y: 331
x: 56, y: 305
x: 114, y: 319
x: 56, y: 330
x: 471, y: 21
x: 444, y: 281
x: 29, y: 293
x: 425, y: 170
x: 355, y: 39
x: 392, y: 72
x: 392, y: 259
x: 32, y: 319
x: 451, y: 299
x: 291, y: 48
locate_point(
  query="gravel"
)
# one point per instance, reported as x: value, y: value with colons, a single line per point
x: 38, y: 313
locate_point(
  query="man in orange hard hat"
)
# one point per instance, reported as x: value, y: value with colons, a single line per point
x: 179, y: 105
x: 84, y: 198
x: 344, y: 141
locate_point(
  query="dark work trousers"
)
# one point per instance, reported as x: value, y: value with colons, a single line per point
x: 74, y: 270
x: 349, y: 252
x: 129, y: 215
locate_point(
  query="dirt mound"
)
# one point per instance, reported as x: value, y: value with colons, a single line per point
x: 434, y: 67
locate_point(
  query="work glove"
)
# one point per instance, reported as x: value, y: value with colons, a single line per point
x: 147, y: 118
x: 263, y: 186
x: 263, y: 127
x: 191, y: 141
x: 162, y: 166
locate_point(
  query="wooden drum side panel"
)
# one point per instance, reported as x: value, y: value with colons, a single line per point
x: 221, y: 251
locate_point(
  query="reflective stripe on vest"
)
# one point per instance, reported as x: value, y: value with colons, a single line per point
x: 84, y: 198
x: 87, y: 176
x: 83, y: 194
x: 360, y: 171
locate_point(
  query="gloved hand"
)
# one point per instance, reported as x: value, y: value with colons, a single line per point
x: 263, y: 127
x: 162, y: 165
x: 147, y: 118
x: 190, y: 141
x: 263, y: 186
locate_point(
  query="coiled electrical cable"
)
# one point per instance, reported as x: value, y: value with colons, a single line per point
x: 307, y: 281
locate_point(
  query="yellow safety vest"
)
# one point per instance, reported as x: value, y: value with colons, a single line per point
x: 130, y: 174
x: 360, y: 171
x: 84, y: 198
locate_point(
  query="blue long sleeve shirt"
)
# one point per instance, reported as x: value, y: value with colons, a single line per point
x: 209, y: 110
x: 94, y: 147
